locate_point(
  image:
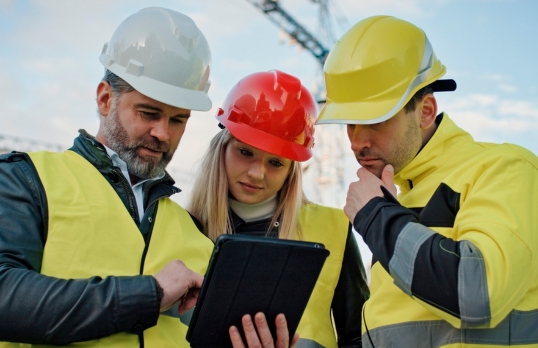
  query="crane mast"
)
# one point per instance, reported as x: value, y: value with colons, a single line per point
x: 285, y: 21
x: 326, y: 170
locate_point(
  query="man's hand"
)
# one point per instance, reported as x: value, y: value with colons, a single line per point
x: 259, y: 335
x: 362, y: 191
x: 178, y: 283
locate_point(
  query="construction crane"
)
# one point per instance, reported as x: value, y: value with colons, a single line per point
x: 10, y: 143
x: 326, y: 169
x: 296, y: 31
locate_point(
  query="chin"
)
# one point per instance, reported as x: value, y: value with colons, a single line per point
x: 249, y: 200
x: 376, y: 171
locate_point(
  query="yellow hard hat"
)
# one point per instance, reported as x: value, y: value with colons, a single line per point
x: 375, y: 69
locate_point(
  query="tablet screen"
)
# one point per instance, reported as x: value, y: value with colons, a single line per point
x: 247, y: 275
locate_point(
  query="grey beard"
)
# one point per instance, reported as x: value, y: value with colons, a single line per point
x: 143, y: 167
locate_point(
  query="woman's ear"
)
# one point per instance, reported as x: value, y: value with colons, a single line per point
x: 104, y: 98
x: 428, y: 106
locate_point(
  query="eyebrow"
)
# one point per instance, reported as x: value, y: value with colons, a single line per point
x: 155, y: 108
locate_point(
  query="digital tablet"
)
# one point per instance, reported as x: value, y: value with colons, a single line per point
x: 247, y: 275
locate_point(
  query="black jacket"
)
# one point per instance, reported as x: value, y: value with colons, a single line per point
x: 38, y: 309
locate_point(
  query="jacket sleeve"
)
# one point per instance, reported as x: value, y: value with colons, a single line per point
x: 45, y: 310
x: 474, y: 278
x: 349, y: 296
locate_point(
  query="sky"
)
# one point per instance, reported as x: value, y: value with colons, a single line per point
x: 50, y: 69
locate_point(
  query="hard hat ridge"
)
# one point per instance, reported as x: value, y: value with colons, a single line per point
x: 375, y: 68
x: 162, y: 54
x: 271, y: 111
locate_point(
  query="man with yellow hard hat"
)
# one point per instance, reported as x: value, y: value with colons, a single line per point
x: 454, y: 257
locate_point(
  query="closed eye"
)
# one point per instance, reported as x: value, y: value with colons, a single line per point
x: 149, y: 115
x: 378, y: 126
x: 177, y: 120
x: 245, y: 152
x: 276, y: 163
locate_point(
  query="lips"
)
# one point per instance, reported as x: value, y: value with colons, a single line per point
x: 151, y: 151
x: 250, y: 187
x: 367, y: 161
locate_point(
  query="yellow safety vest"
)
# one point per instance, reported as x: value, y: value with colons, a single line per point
x: 90, y: 233
x: 328, y: 226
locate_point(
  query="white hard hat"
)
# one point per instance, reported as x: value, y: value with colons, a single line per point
x: 162, y: 54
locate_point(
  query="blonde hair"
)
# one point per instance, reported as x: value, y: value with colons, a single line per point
x: 209, y: 197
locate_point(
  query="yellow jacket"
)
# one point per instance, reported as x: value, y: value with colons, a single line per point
x: 457, y: 262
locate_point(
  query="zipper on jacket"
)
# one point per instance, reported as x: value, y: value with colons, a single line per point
x: 130, y: 196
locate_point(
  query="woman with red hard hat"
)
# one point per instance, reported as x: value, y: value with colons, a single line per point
x: 249, y: 182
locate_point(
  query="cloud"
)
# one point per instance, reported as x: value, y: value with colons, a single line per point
x: 492, y: 117
x: 502, y: 82
x: 520, y: 108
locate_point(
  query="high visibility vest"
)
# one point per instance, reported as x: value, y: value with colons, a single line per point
x: 328, y: 226
x: 90, y: 233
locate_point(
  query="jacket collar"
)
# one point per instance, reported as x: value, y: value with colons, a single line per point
x: 446, y: 139
x: 94, y: 152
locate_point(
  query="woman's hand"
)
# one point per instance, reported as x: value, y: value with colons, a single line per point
x: 258, y: 335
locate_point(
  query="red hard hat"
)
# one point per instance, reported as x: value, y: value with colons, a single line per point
x: 273, y: 112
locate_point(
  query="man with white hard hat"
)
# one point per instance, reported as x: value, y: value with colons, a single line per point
x: 92, y: 249
x: 454, y: 258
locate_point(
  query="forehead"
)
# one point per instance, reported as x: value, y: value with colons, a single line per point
x: 237, y: 143
x: 137, y: 99
x: 395, y: 123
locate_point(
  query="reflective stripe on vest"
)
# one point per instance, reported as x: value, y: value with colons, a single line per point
x: 90, y: 233
x: 518, y: 329
x: 306, y: 343
x: 328, y: 226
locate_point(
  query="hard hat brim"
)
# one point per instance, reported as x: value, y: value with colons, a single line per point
x: 358, y: 112
x: 171, y: 95
x: 267, y: 142
x: 446, y: 85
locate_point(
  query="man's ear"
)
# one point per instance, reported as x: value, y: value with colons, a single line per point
x: 104, y: 98
x: 428, y: 106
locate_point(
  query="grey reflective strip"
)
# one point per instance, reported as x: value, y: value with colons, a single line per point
x: 173, y: 312
x: 427, y: 57
x: 402, y: 263
x: 472, y: 287
x: 186, y: 317
x: 519, y: 328
x: 306, y: 343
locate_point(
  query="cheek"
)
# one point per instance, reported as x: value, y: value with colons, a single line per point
x: 349, y: 133
x: 278, y: 179
x: 232, y: 166
x: 228, y: 165
x: 177, y: 133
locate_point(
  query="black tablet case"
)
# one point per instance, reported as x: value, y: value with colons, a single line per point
x: 247, y: 275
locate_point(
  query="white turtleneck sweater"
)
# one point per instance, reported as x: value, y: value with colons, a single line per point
x: 254, y: 212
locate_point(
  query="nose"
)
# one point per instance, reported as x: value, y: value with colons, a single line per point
x: 359, y: 136
x: 256, y: 170
x: 160, y: 129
